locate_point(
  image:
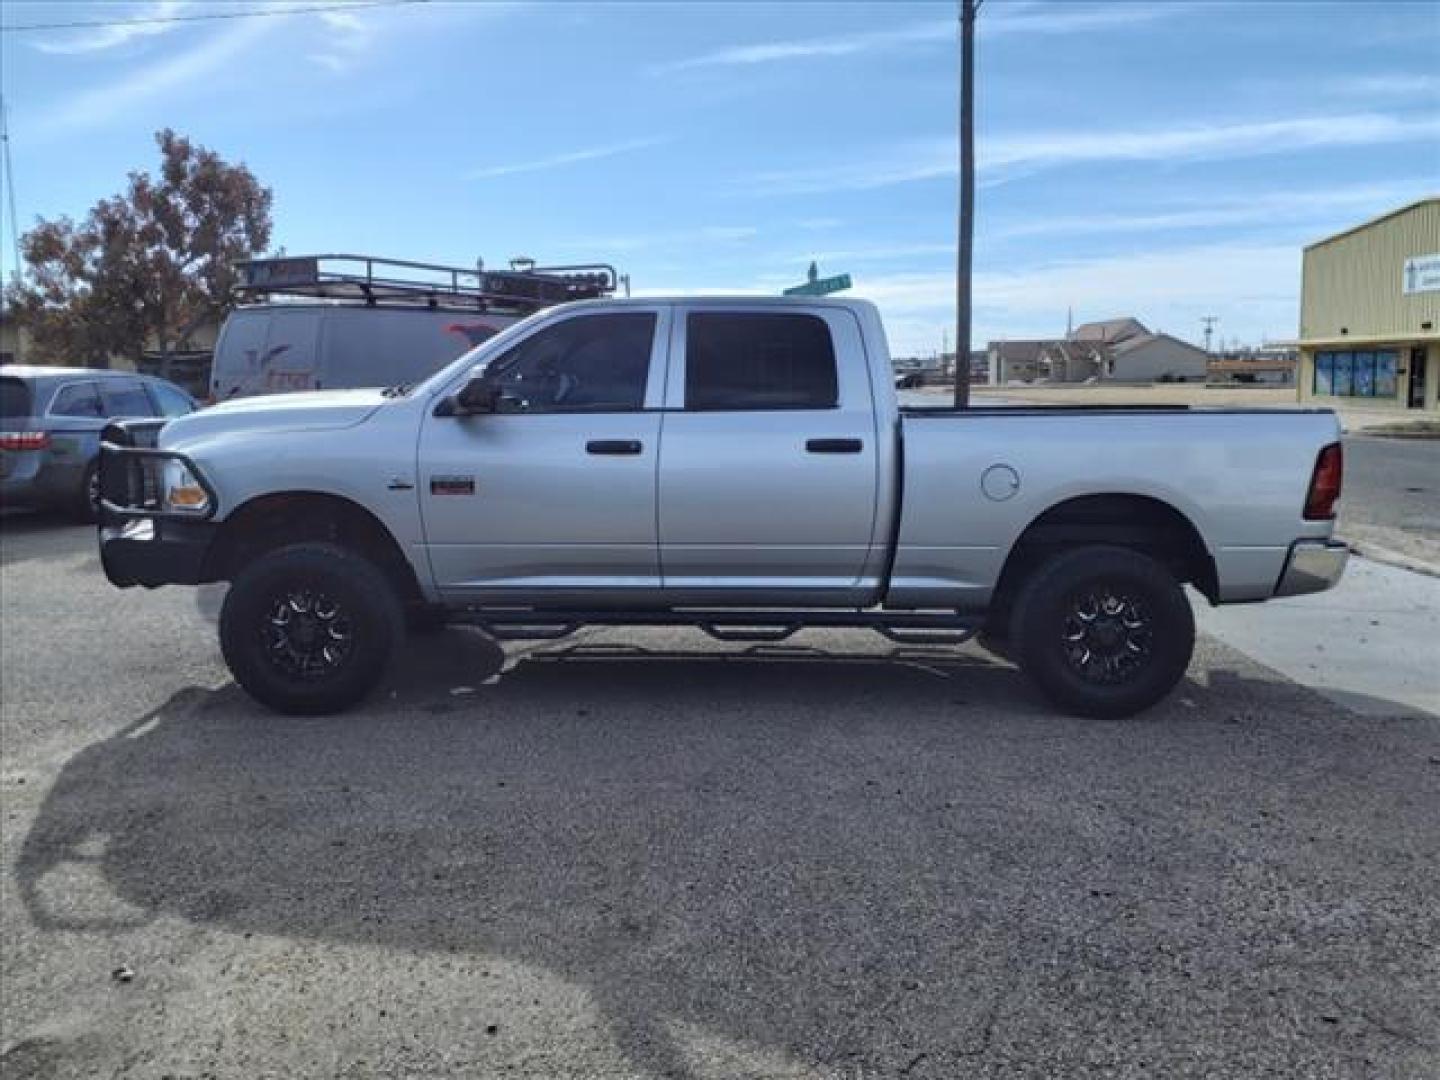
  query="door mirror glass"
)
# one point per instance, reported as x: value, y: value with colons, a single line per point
x: 479, y: 395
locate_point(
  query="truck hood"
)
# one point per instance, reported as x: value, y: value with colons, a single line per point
x: 309, y: 411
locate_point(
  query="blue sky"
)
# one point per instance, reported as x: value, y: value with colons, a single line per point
x: 1166, y: 160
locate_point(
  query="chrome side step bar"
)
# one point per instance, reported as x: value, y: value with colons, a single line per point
x: 756, y: 625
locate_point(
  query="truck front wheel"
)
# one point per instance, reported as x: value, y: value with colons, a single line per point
x: 308, y: 629
x: 1104, y: 631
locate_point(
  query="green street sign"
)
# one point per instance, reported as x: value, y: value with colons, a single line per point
x: 820, y: 286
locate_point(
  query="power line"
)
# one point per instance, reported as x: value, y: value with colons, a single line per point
x: 256, y: 13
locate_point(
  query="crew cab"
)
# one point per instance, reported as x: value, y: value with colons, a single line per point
x: 740, y: 465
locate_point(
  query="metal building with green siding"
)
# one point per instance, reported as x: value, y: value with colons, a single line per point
x: 1370, y: 313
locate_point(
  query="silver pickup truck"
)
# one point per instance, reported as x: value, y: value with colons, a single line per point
x: 737, y: 465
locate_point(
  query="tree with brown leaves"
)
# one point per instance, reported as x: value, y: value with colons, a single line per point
x: 146, y: 268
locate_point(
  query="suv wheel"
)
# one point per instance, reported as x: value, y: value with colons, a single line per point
x: 1104, y: 631
x: 84, y: 506
x: 309, y: 629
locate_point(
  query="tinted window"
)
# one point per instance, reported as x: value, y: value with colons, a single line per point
x: 122, y: 397
x: 754, y: 361
x: 595, y: 363
x: 171, y: 401
x: 76, y: 399
x: 14, y: 398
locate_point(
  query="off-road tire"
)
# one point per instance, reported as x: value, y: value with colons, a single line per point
x: 1055, y: 597
x: 373, y: 622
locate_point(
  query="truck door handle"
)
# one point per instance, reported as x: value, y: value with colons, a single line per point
x: 834, y: 446
x: 613, y: 446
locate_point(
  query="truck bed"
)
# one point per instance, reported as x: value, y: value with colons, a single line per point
x: 974, y: 480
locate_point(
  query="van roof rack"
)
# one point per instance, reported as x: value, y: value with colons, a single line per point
x: 371, y: 280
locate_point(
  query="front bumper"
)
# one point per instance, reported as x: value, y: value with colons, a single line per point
x: 153, y: 552
x: 1312, y: 566
x: 142, y: 542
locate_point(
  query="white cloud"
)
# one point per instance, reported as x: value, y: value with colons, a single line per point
x: 1013, y: 18
x: 1207, y: 141
x: 100, y: 38
x: 1030, y: 152
x: 572, y: 157
x: 348, y: 38
x: 1395, y: 85
x: 1253, y: 288
x: 1215, y: 212
x: 91, y: 108
x: 808, y: 48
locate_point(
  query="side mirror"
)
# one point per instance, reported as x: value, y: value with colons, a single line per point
x: 476, y: 396
x: 479, y: 395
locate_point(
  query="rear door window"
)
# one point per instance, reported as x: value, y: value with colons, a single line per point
x: 125, y: 397
x: 14, y: 399
x: 746, y: 361
x: 76, y: 399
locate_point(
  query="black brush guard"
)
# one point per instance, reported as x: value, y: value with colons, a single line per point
x: 142, y: 543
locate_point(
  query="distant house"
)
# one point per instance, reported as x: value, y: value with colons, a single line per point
x: 1147, y: 357
x: 1119, y: 350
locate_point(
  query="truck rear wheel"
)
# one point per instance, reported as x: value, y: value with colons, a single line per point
x: 1104, y: 631
x: 308, y: 629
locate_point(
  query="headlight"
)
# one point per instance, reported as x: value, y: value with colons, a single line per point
x: 182, y: 491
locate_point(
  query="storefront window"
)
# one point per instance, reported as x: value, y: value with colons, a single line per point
x: 1363, y: 379
x: 1358, y: 374
x: 1344, y: 374
x: 1385, y: 363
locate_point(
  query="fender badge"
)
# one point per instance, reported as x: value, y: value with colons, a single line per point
x: 452, y: 485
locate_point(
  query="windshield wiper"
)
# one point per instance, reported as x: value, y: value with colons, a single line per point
x: 398, y: 390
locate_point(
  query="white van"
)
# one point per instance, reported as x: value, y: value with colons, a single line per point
x: 275, y: 348
x: 350, y: 321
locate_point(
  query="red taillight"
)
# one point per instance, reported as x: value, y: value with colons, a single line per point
x: 24, y: 440
x: 1325, y: 484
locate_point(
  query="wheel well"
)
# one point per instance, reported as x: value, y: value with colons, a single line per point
x: 292, y: 517
x: 1137, y: 522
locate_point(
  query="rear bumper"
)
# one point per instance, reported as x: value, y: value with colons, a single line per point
x: 155, y: 552
x: 1312, y: 566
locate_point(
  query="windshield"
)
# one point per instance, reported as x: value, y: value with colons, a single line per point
x: 14, y: 398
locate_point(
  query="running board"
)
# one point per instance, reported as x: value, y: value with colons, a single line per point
x: 739, y: 625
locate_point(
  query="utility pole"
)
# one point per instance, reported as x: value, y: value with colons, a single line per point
x: 1209, y: 321
x: 968, y: 11
x: 14, y: 217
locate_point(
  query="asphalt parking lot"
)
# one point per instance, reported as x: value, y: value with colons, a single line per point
x: 1392, y: 495
x: 648, y: 854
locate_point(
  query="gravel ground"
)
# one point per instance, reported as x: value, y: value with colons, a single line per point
x: 647, y: 854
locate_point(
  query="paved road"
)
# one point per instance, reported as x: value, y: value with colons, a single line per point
x: 652, y: 855
x: 1392, y: 494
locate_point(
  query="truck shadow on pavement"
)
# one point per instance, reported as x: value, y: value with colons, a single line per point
x: 872, y: 861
